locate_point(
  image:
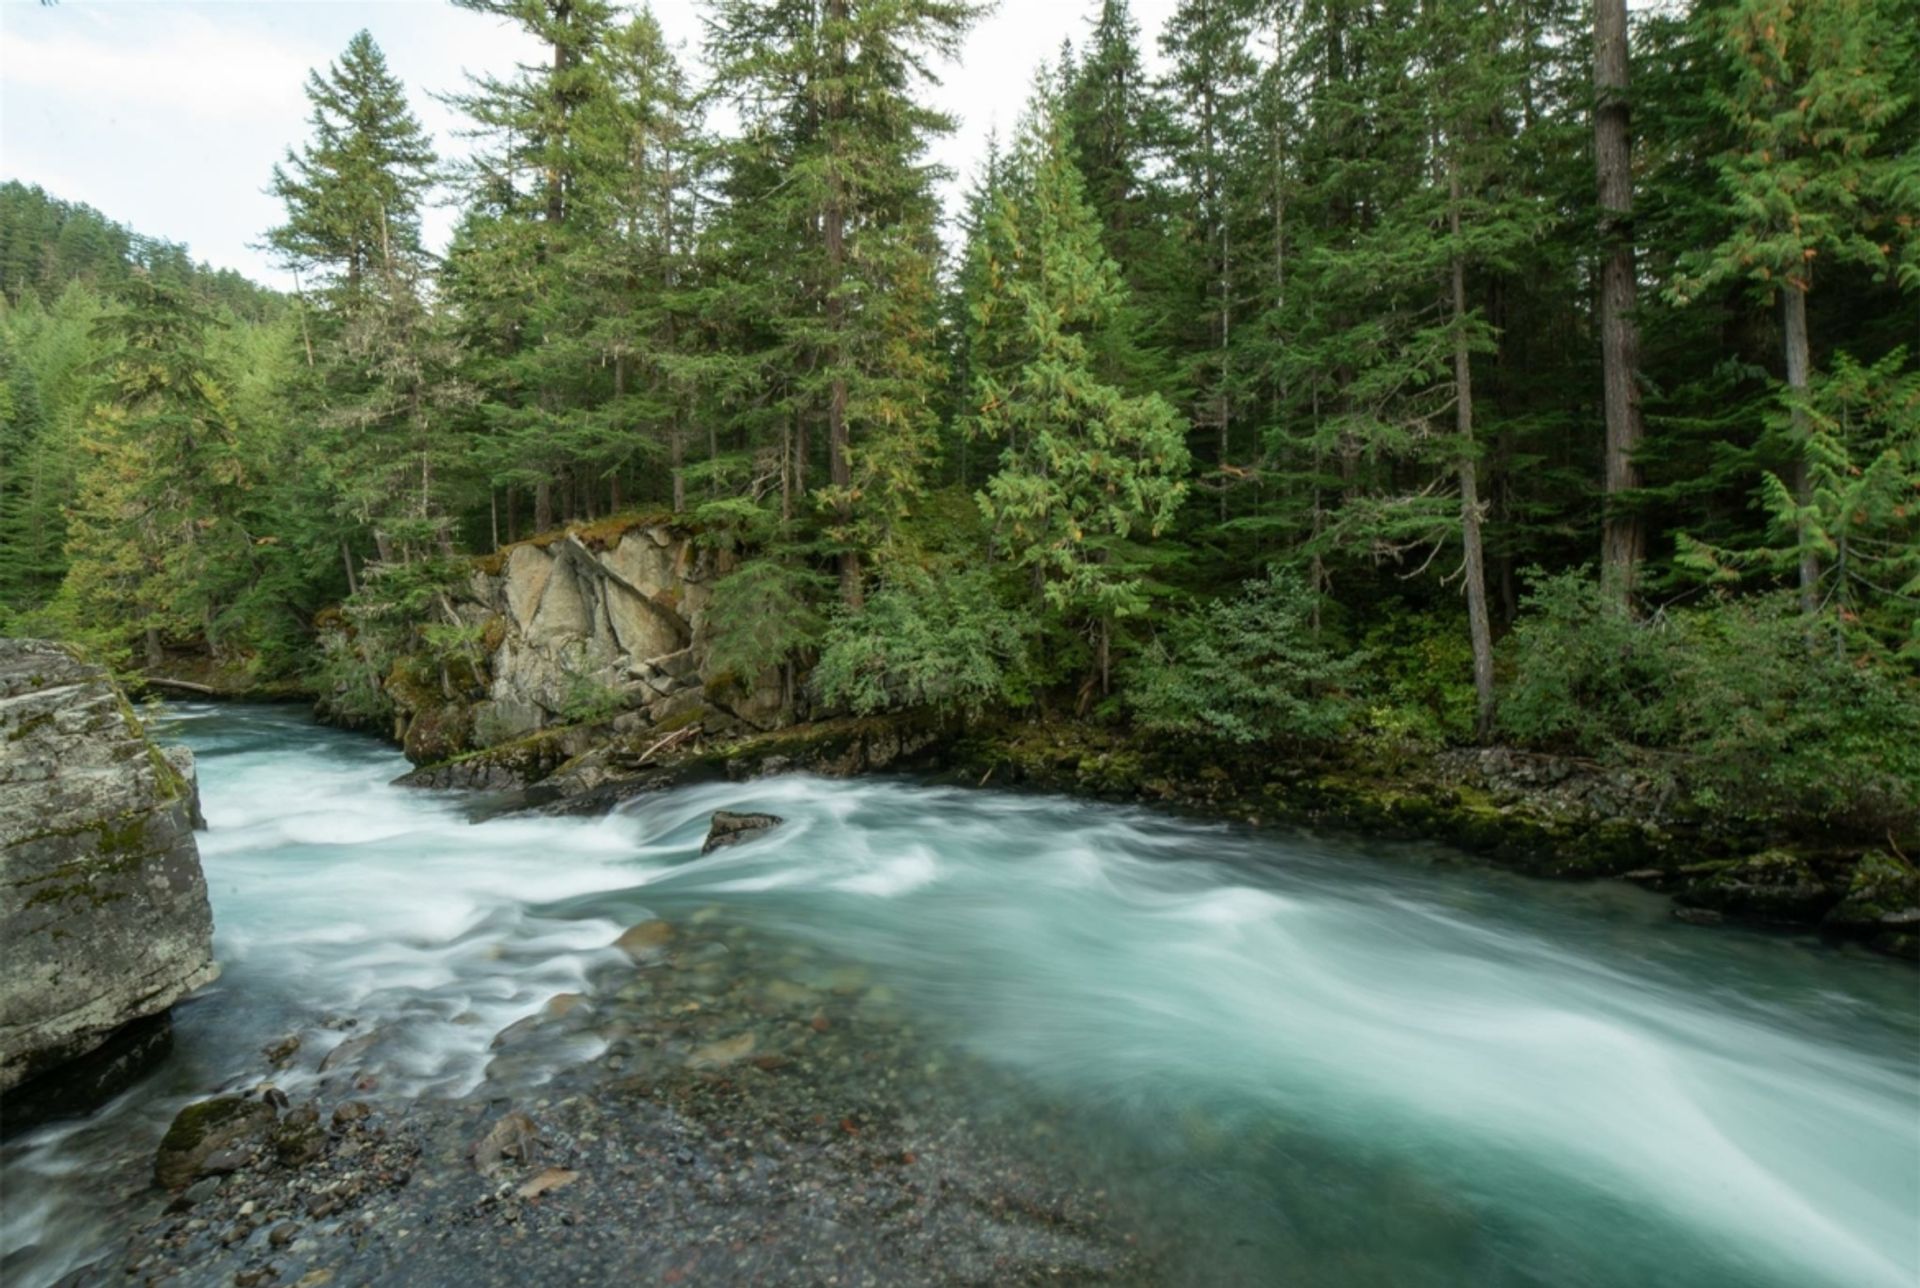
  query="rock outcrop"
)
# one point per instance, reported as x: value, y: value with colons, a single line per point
x: 602, y: 624
x: 104, y: 919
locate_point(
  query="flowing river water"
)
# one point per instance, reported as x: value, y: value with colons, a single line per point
x: 1313, y: 1061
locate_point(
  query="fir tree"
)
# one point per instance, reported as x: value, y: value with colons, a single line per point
x: 829, y: 89
x: 1812, y: 178
x: 1085, y: 465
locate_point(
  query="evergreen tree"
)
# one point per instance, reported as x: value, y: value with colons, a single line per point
x: 829, y: 90
x: 156, y: 547
x: 1812, y: 178
x: 353, y: 191
x: 1085, y: 465
x: 515, y: 256
x: 1210, y: 91
x: 378, y: 368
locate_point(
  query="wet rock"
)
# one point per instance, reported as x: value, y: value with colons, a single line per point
x: 348, y: 1052
x: 553, y: 1178
x: 646, y: 940
x: 352, y: 1111
x: 513, y: 1139
x: 299, y: 1138
x: 729, y: 828
x: 1881, y: 906
x: 283, y: 1234
x: 204, y: 1137
x: 724, y: 1052
x: 278, y: 1053
x: 1699, y: 916
x: 1772, y: 887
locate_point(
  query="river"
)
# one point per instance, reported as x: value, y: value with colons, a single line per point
x: 1314, y: 1060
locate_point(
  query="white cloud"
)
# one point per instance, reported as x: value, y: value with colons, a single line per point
x: 193, y: 67
x: 169, y: 114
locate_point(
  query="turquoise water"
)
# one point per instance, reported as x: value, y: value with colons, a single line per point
x: 1307, y: 1060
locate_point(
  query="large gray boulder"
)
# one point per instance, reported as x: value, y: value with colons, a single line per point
x: 103, y: 909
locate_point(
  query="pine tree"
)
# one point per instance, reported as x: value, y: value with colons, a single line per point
x: 353, y: 191
x: 1811, y: 177
x: 156, y: 548
x: 642, y: 269
x: 377, y: 367
x: 1085, y: 465
x: 1210, y: 87
x: 828, y: 89
x: 515, y: 256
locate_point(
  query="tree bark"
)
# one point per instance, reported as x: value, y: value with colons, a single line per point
x: 1623, y: 537
x: 1478, y: 623
x: 833, y: 223
x: 543, y: 505
x: 1799, y: 367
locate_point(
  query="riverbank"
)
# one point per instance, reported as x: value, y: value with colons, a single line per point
x: 1548, y: 816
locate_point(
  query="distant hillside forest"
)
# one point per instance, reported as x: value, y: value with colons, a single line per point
x: 1381, y: 373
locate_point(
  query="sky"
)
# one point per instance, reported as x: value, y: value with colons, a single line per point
x: 168, y: 115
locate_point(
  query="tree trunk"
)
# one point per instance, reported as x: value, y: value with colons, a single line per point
x: 833, y: 223
x: 1799, y: 365
x: 543, y: 505
x: 677, y: 451
x: 1623, y: 540
x: 1478, y: 624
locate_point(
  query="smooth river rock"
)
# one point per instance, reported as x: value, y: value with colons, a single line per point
x: 103, y: 909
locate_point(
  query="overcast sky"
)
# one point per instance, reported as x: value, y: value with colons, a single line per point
x: 167, y: 115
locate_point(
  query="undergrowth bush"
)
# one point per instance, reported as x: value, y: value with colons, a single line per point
x: 944, y: 640
x: 1745, y: 705
x: 1247, y: 668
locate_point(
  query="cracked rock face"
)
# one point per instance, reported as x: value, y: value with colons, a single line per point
x: 103, y: 909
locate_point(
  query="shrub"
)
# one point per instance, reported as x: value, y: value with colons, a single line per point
x: 1419, y: 686
x: 924, y: 640
x: 1745, y: 705
x: 1247, y: 669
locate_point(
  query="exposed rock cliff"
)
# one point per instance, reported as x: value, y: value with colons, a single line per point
x: 598, y: 624
x: 103, y: 908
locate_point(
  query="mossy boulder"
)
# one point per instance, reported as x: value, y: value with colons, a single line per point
x: 205, y: 1131
x: 1881, y: 905
x: 438, y: 733
x: 1772, y: 887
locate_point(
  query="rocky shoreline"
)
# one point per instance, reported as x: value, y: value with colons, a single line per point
x: 722, y: 1107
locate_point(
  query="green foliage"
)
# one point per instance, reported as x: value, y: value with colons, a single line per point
x: 1085, y: 464
x: 590, y: 700
x: 945, y: 639
x: 1745, y: 705
x: 1419, y: 692
x: 1248, y: 669
x: 763, y: 614
x: 1859, y: 515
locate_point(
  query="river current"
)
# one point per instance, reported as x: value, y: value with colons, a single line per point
x: 1318, y: 1060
